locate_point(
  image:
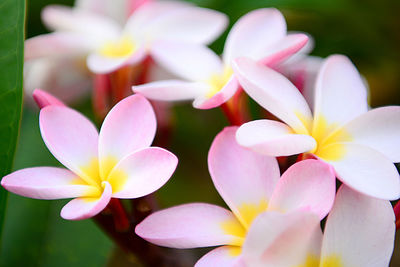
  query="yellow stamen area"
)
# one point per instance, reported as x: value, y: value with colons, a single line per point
x: 311, y: 261
x: 234, y: 251
x: 332, y: 261
x: 218, y: 80
x: 120, y: 48
x: 234, y: 228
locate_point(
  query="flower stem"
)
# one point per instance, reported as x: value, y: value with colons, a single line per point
x: 396, y: 210
x: 236, y: 109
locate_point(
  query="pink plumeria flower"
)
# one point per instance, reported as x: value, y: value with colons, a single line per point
x: 360, y: 144
x: 260, y: 35
x: 250, y: 184
x: 117, y: 162
x: 359, y: 231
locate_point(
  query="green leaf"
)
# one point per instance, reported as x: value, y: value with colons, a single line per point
x: 12, y: 24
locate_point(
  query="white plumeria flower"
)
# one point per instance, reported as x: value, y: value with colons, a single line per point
x: 360, y: 144
x: 250, y: 184
x: 359, y: 232
x: 118, y: 162
x: 259, y: 35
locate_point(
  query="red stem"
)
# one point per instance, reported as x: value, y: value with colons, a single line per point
x: 396, y: 210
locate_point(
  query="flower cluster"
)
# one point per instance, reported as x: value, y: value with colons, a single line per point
x: 158, y: 48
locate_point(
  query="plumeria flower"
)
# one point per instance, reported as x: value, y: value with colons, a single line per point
x: 359, y: 231
x: 117, y: 162
x: 260, y: 35
x: 250, y: 184
x: 360, y: 144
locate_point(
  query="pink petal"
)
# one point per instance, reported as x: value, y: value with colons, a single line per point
x: 366, y: 170
x: 70, y: 137
x: 171, y: 90
x: 307, y: 185
x: 359, y: 231
x: 102, y: 65
x: 275, y: 93
x: 142, y: 172
x: 188, y: 226
x: 83, y: 208
x: 379, y: 129
x: 47, y: 183
x: 56, y: 44
x: 225, y: 256
x: 339, y: 84
x: 44, y: 99
x: 253, y: 33
x: 129, y: 126
x: 273, y: 138
x: 283, y: 240
x: 227, y: 91
x: 192, y: 62
x: 243, y: 178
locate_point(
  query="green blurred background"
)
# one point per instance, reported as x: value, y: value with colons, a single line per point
x: 367, y: 31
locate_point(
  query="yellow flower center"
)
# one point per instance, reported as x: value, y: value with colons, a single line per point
x: 218, y: 80
x: 119, y: 48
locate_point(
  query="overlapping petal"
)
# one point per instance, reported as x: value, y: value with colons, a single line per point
x: 189, y: 226
x: 225, y: 256
x: 129, y: 126
x: 142, y: 172
x: 44, y: 99
x: 243, y: 178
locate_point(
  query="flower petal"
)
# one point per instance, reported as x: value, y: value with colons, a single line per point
x: 379, y: 129
x: 100, y: 64
x: 44, y: 99
x: 359, y: 231
x: 307, y: 185
x: 177, y: 22
x: 129, y: 126
x: 47, y: 183
x: 142, y: 172
x: 243, y: 178
x: 83, y: 208
x: 365, y: 170
x: 226, y: 256
x: 275, y: 93
x: 283, y: 240
x: 227, y: 91
x: 62, y: 18
x: 189, y: 226
x: 171, y: 90
x: 273, y: 138
x: 253, y: 33
x: 71, y: 138
x: 339, y: 84
x: 189, y: 61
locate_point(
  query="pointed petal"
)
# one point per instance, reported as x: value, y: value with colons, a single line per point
x: 142, y: 172
x: 253, y: 33
x: 275, y: 93
x: 56, y: 44
x: 70, y: 137
x: 364, y: 169
x: 66, y: 19
x: 100, y: 64
x: 177, y: 22
x: 129, y: 126
x: 84, y: 208
x: 243, y: 178
x: 339, y: 83
x: 227, y: 91
x: 171, y: 90
x: 379, y: 129
x: 307, y: 185
x: 283, y: 240
x: 189, y: 61
x: 273, y: 138
x: 47, y: 183
x: 44, y: 99
x: 359, y: 231
x: 226, y: 256
x: 190, y: 226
